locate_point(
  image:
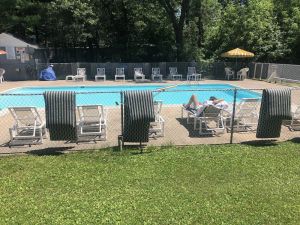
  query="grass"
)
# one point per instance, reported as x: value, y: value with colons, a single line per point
x: 224, y: 184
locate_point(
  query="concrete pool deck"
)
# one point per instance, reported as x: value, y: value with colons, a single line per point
x: 177, y: 131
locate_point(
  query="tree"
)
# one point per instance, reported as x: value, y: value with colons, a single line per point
x: 177, y: 13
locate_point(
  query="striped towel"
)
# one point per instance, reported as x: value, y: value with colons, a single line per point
x: 138, y: 113
x: 60, y: 114
x: 275, y: 107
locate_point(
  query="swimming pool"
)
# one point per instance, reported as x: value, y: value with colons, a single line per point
x: 32, y: 96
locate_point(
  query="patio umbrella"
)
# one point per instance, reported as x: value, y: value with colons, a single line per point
x: 237, y: 53
x: 2, y: 52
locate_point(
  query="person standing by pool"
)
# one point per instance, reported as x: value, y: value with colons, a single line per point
x: 197, y: 107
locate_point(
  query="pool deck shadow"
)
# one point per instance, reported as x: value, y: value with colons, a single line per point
x: 190, y: 128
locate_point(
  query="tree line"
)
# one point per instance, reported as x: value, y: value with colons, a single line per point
x: 181, y: 30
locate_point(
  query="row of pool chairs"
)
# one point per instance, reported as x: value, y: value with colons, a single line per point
x: 138, y: 74
x: 215, y: 120
x: 29, y: 127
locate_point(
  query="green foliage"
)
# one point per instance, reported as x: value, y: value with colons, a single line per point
x: 165, y: 30
x: 222, y: 184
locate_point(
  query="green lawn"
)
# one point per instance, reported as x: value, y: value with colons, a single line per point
x: 224, y: 184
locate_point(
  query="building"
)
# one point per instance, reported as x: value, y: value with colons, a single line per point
x: 19, y: 62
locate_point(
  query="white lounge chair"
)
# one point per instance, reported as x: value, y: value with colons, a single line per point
x: 2, y: 72
x: 229, y: 73
x: 120, y: 74
x: 28, y: 127
x: 156, y: 74
x: 294, y: 123
x: 157, y: 128
x: 246, y: 115
x: 210, y: 121
x: 192, y: 74
x: 92, y: 123
x: 80, y: 76
x: 100, y: 74
x: 138, y: 74
x: 174, y: 74
x: 242, y: 74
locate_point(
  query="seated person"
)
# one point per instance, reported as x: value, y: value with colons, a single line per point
x: 197, y: 107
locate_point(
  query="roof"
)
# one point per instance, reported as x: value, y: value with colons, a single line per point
x: 9, y: 40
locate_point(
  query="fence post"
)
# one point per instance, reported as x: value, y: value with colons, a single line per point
x: 233, y: 115
x: 122, y: 104
x: 120, y: 137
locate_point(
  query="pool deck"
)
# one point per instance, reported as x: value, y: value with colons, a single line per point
x: 177, y: 131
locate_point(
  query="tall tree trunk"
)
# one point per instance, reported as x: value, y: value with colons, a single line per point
x: 177, y: 23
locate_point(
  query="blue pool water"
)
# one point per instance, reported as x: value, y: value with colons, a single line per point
x: 176, y: 95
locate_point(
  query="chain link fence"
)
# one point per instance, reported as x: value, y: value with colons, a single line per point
x: 236, y: 122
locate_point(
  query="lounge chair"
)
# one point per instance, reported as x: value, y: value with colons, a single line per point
x: 242, y: 74
x: 138, y: 74
x: 210, y: 115
x: 192, y: 74
x: 81, y: 75
x: 156, y: 74
x: 100, y: 74
x: 246, y: 115
x: 120, y: 74
x: 294, y: 123
x: 92, y: 123
x: 229, y: 73
x: 28, y: 128
x: 174, y: 74
x: 2, y: 72
x: 157, y: 128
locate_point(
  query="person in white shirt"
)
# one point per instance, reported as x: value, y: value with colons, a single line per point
x: 197, y: 107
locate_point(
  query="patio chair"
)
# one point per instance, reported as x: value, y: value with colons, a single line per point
x: 138, y: 74
x: 80, y: 76
x: 2, y: 72
x: 120, y: 74
x: 242, y: 74
x: 206, y: 120
x: 229, y: 73
x: 92, y: 123
x: 28, y: 126
x: 174, y: 74
x: 100, y: 74
x: 192, y: 74
x: 294, y: 123
x: 157, y: 128
x: 246, y: 116
x: 156, y: 74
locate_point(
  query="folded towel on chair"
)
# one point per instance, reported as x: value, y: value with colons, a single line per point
x: 138, y: 113
x: 60, y: 114
x: 275, y: 107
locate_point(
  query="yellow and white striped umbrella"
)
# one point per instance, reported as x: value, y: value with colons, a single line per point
x: 238, y: 53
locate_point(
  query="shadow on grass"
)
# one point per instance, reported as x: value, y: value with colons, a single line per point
x: 296, y: 140
x: 132, y: 149
x: 261, y: 143
x: 49, y: 151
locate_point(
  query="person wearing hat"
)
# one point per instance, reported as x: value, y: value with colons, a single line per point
x: 197, y: 107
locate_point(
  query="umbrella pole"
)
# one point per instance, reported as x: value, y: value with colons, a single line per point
x: 236, y: 68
